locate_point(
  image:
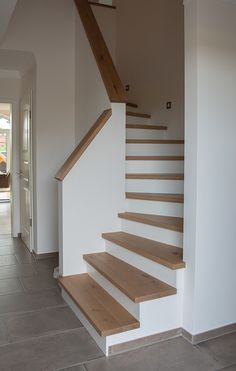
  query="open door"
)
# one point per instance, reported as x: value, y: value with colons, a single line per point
x: 26, y: 179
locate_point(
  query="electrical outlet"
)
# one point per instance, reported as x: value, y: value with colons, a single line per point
x: 127, y: 87
x: 168, y: 105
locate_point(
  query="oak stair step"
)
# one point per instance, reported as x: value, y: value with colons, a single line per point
x: 154, y: 158
x: 146, y: 127
x: 130, y: 104
x: 136, y: 284
x: 154, y: 141
x: 138, y: 114
x: 166, y: 222
x: 169, y: 256
x: 155, y: 176
x: 162, y: 197
x: 106, y: 315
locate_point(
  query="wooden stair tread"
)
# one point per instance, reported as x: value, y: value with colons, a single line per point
x: 155, y: 158
x: 169, y: 256
x: 155, y: 176
x: 106, y: 315
x: 154, y: 141
x: 138, y: 114
x: 133, y: 105
x: 136, y: 284
x: 167, y: 222
x: 162, y: 197
x: 146, y: 127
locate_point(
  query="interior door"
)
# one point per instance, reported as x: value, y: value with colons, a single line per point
x: 25, y: 171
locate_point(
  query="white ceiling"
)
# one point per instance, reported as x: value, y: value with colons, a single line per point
x: 15, y: 62
x: 6, y: 10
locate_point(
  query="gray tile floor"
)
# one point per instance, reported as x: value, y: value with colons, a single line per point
x: 38, y: 331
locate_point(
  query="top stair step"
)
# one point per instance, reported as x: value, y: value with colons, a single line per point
x: 136, y: 284
x: 130, y: 104
x: 137, y: 114
x: 167, y: 255
x: 146, y: 127
x: 106, y: 315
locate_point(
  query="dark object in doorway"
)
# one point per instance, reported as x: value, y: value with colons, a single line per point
x: 5, y: 180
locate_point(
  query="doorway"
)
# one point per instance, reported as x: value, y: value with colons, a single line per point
x: 5, y: 167
x: 26, y: 174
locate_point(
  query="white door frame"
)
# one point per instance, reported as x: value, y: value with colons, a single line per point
x: 31, y: 175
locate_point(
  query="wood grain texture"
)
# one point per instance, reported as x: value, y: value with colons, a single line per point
x: 130, y: 104
x: 106, y: 315
x: 155, y: 158
x: 111, y: 79
x: 161, y: 197
x: 155, y: 176
x: 103, y: 5
x: 83, y: 145
x: 154, y: 141
x: 169, y: 256
x: 136, y: 284
x: 137, y: 114
x: 166, y: 222
x: 146, y: 127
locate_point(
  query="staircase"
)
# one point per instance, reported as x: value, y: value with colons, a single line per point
x: 133, y: 290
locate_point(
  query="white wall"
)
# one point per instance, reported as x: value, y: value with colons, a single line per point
x: 210, y: 177
x: 10, y: 91
x: 150, y: 57
x: 47, y: 29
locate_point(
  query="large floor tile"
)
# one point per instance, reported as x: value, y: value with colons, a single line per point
x: 7, y: 250
x: 176, y: 354
x: 49, y: 353
x: 223, y: 349
x: 28, y: 302
x: 39, y: 282
x: 3, y: 333
x: 10, y: 286
x: 41, y: 323
x: 20, y: 270
x: 230, y: 368
x: 74, y: 368
x: 46, y: 265
x: 8, y: 260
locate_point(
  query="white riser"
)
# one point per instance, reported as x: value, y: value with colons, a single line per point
x: 154, y: 186
x: 145, y: 134
x: 157, y: 316
x: 153, y: 233
x: 155, y: 207
x: 155, y: 167
x: 137, y: 120
x: 119, y: 296
x: 150, y: 267
x: 155, y: 149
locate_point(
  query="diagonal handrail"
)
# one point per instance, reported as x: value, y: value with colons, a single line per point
x: 111, y: 79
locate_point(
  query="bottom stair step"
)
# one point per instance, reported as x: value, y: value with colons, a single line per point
x: 106, y: 315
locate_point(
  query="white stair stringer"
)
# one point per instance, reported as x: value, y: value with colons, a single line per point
x: 155, y: 316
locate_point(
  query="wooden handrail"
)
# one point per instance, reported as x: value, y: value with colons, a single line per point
x: 111, y: 79
x: 85, y: 142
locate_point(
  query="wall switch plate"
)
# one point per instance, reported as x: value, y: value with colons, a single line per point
x: 168, y: 105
